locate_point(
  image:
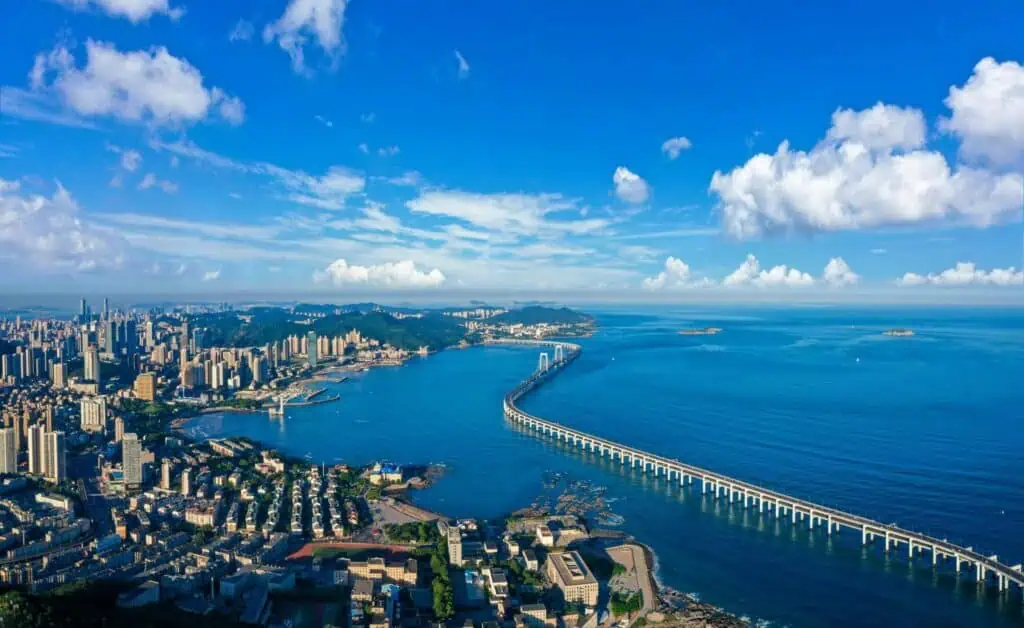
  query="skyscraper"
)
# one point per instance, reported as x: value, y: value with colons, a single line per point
x: 55, y: 457
x: 186, y: 482
x: 8, y: 451
x: 35, y: 450
x: 48, y: 417
x: 92, y: 365
x: 150, y: 337
x: 165, y: 474
x: 106, y: 308
x: 311, y: 349
x: 110, y: 336
x: 83, y: 313
x: 145, y: 386
x: 118, y: 429
x: 131, y: 459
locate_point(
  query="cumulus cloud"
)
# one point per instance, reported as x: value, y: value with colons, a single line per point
x: 869, y: 171
x: 881, y: 127
x: 676, y: 274
x: 674, y: 146
x: 838, y: 273
x: 749, y: 273
x: 307, y: 22
x: 211, y: 275
x: 151, y: 86
x: 133, y: 10
x: 988, y: 112
x: 402, y: 274
x: 630, y: 187
x: 463, y: 65
x: 50, y: 233
x: 388, y: 151
x: 966, y: 274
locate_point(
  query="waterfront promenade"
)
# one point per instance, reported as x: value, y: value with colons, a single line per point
x: 983, y: 568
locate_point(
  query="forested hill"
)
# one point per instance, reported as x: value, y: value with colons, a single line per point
x: 534, y: 314
x: 231, y: 329
x: 405, y: 328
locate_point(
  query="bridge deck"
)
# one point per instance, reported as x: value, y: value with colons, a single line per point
x: 765, y: 498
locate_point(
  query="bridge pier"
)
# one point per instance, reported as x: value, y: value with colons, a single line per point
x: 828, y: 530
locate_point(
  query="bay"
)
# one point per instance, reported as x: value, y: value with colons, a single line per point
x: 816, y: 402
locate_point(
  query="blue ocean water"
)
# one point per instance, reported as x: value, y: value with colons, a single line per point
x: 923, y: 431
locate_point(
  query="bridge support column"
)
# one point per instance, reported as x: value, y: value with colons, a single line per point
x: 863, y: 535
x: 828, y: 530
x: 887, y: 543
x: 958, y: 561
x: 935, y: 556
x: 777, y: 513
x: 979, y: 572
x: 760, y: 500
x: 910, y: 549
x: 792, y: 514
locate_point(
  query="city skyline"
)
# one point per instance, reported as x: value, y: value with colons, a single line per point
x: 526, y: 151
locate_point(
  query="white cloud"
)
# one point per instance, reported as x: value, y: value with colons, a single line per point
x: 306, y: 22
x: 133, y: 10
x: 988, y: 112
x: 151, y: 180
x: 966, y: 274
x: 368, y: 117
x: 630, y: 187
x: 879, y: 251
x: 388, y: 151
x: 515, y: 213
x: 675, y: 145
x: 838, y: 273
x: 242, y: 31
x: 327, y: 191
x: 29, y: 105
x: 9, y: 150
x: 402, y: 274
x: 211, y: 275
x: 676, y: 275
x: 463, y: 65
x: 363, y: 148
x: 881, y: 127
x: 324, y: 121
x: 858, y: 178
x: 409, y: 178
x: 142, y: 86
x: 750, y: 273
x: 50, y: 233
x: 130, y: 159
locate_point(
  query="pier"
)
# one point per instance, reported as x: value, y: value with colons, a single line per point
x: 982, y: 568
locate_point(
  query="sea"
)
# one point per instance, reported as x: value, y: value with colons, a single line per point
x: 924, y: 431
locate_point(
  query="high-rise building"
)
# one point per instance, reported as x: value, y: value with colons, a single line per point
x: 118, y: 429
x: 58, y: 378
x: 111, y: 342
x: 94, y: 414
x: 54, y: 448
x: 145, y: 386
x: 150, y: 334
x: 8, y: 451
x: 48, y: 417
x: 19, y: 432
x: 165, y: 474
x: 83, y: 312
x: 311, y: 349
x: 186, y: 482
x: 35, y: 450
x: 55, y: 457
x: 92, y: 365
x: 131, y: 459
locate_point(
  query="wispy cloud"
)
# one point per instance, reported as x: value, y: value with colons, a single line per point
x: 463, y: 65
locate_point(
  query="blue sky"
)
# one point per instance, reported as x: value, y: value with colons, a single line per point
x: 661, y: 151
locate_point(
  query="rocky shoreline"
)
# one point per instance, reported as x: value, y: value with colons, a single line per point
x: 674, y: 608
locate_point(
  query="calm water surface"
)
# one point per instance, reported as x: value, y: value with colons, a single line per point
x: 925, y: 431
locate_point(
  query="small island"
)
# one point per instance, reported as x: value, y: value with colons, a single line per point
x: 702, y: 331
x: 899, y: 331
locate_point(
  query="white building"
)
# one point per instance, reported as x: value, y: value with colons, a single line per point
x: 35, y: 450
x: 94, y: 414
